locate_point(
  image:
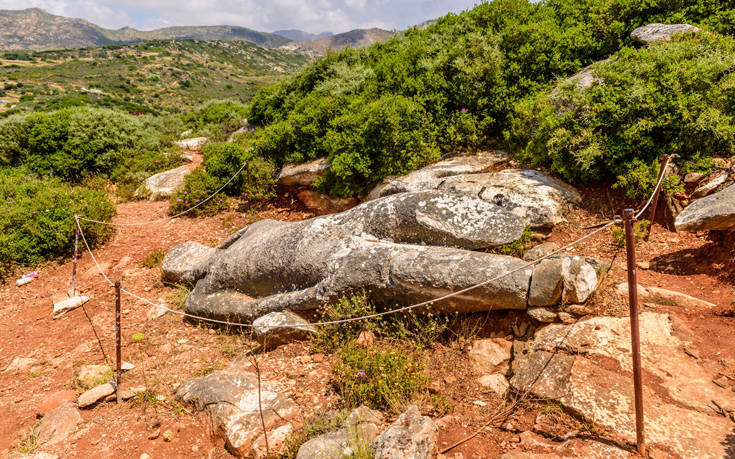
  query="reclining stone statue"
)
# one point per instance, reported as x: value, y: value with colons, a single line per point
x: 400, y: 249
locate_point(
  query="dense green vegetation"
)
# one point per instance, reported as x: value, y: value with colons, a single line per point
x: 397, y: 105
x: 152, y: 77
x: 675, y: 97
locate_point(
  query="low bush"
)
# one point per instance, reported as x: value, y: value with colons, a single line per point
x: 37, y: 218
x: 671, y: 97
x: 198, y: 186
x: 385, y: 380
x: 216, y: 119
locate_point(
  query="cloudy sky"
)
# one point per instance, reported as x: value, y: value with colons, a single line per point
x: 266, y: 15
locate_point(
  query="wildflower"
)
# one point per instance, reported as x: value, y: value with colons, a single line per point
x: 178, y: 200
x: 464, y: 109
x: 361, y: 374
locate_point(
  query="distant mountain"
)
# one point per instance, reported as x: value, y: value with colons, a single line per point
x: 357, y: 38
x: 36, y: 29
x: 300, y: 35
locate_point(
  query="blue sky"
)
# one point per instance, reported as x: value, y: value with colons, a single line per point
x: 266, y: 15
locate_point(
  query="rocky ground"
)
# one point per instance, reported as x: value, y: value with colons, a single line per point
x: 583, y: 410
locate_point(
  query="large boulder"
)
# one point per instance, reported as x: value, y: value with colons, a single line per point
x: 587, y: 368
x: 654, y: 33
x: 539, y: 199
x: 360, y: 428
x: 195, y: 143
x: 412, y: 436
x: 163, y: 184
x: 231, y: 399
x: 400, y: 249
x: 184, y: 263
x: 303, y: 174
x: 715, y: 212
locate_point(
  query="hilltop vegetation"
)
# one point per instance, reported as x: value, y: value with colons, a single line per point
x: 157, y: 76
x: 34, y: 28
x: 397, y: 105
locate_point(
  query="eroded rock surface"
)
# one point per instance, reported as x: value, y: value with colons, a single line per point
x: 587, y: 368
x: 183, y: 263
x: 654, y: 33
x: 715, y: 212
x: 303, y: 174
x: 377, y: 246
x: 411, y: 436
x: 281, y: 327
x: 163, y: 184
x: 230, y: 397
x: 58, y: 425
x: 194, y: 143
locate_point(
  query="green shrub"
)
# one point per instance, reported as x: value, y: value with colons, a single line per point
x: 314, y: 426
x: 132, y: 171
x: 37, y: 218
x: 385, y: 380
x: 154, y: 259
x: 198, y: 186
x: 672, y: 97
x: 216, y: 119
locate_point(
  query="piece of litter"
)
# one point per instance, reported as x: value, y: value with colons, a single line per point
x: 64, y: 306
x: 23, y: 281
x: 30, y: 275
x: 126, y: 366
x: 182, y: 341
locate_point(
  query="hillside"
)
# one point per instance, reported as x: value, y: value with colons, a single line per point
x: 300, y: 35
x: 166, y: 75
x: 358, y: 38
x: 36, y: 29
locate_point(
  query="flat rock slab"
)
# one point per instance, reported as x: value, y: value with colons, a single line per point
x: 715, y: 212
x: 660, y: 296
x: 164, y: 184
x: 230, y: 397
x: 281, y: 327
x: 20, y: 364
x: 303, y: 174
x: 654, y: 33
x: 68, y: 304
x: 587, y: 368
x: 58, y: 425
x: 95, y: 394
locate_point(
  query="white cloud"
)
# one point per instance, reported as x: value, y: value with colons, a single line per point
x: 267, y: 15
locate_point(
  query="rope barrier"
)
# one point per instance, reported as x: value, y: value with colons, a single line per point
x: 601, y: 228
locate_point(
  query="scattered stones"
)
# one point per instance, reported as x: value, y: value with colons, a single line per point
x: 95, y: 394
x: 542, y: 314
x: 489, y: 355
x: 194, y: 143
x: 660, y: 296
x: 580, y: 280
x: 539, y: 251
x: 183, y: 263
x: 714, y: 212
x: 58, y: 425
x: 496, y: 383
x: 654, y: 33
x: 411, y: 436
x: 68, y: 304
x: 303, y: 174
x: 163, y: 184
x: 547, y: 282
x: 54, y: 400
x: 586, y: 367
x: 711, y: 185
x: 277, y: 328
x: 230, y: 397
x: 693, y: 178
x: 20, y: 364
x: 359, y: 429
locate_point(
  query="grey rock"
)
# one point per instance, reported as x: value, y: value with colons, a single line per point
x: 431, y: 177
x: 539, y: 199
x: 163, y: 184
x: 281, y: 327
x: 586, y: 77
x: 539, y: 251
x: 562, y: 363
x: 715, y: 212
x: 195, y: 143
x: 412, y: 436
x: 58, y: 425
x: 654, y: 33
x: 93, y: 375
x: 273, y: 266
x: 711, y: 184
x: 184, y: 263
x: 580, y: 280
x: 693, y: 177
x: 542, y: 314
x: 546, y: 283
x: 303, y: 174
x: 359, y: 429
x: 95, y: 394
x: 230, y: 397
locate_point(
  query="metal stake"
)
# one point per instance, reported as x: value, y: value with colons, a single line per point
x: 628, y: 218
x: 76, y: 256
x: 654, y: 203
x: 247, y: 170
x: 118, y: 351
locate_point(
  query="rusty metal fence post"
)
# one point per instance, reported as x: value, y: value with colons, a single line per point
x: 76, y: 257
x: 628, y: 218
x: 118, y: 351
x: 654, y: 202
